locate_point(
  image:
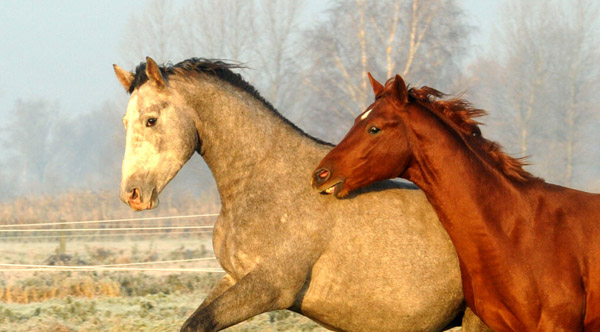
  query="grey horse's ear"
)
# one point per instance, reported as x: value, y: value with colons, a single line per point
x: 124, y: 76
x: 153, y: 72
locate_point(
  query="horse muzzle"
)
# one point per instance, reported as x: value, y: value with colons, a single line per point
x: 139, y: 198
x: 325, y: 183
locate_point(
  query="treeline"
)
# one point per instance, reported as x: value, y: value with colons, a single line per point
x: 536, y: 78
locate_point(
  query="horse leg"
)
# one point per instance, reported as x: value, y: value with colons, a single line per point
x: 218, y: 289
x: 472, y: 323
x: 254, y: 294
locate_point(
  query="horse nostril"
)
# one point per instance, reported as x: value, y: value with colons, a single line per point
x: 321, y: 175
x: 134, y: 194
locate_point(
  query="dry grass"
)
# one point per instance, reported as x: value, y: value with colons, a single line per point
x: 111, y: 301
x: 27, y: 287
x: 115, y: 301
x: 56, y: 286
x: 157, y: 312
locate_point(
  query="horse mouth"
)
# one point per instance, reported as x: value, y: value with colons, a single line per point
x: 333, y: 189
x: 134, y: 199
x: 140, y: 206
x: 325, y: 184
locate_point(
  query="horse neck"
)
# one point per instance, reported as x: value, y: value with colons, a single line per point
x: 468, y: 193
x: 247, y: 146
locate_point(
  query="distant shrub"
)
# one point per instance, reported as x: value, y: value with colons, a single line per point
x: 38, y: 288
x: 141, y: 284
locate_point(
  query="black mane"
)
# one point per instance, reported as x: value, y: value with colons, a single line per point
x: 220, y: 69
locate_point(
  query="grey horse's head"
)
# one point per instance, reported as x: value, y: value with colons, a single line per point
x: 161, y: 135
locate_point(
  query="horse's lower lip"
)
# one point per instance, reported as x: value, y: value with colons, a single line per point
x: 333, y: 189
x: 140, y: 206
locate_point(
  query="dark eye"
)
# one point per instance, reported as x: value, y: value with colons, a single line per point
x: 374, y: 130
x: 151, y: 122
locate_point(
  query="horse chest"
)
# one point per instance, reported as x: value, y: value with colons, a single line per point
x: 239, y: 247
x: 234, y: 257
x: 517, y: 299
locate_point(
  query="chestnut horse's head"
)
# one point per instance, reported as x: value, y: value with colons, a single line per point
x: 161, y: 135
x: 377, y: 135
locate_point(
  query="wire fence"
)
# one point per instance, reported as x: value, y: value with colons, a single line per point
x: 4, y: 267
x: 61, y: 230
x: 127, y: 234
x: 18, y: 231
x: 41, y: 230
x: 60, y: 223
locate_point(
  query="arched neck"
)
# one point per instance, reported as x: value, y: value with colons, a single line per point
x: 247, y: 145
x: 464, y: 188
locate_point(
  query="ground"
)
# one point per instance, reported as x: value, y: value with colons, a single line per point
x: 115, y: 301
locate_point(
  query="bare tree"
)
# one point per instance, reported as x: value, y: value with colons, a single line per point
x: 261, y: 34
x: 8, y: 176
x: 280, y: 33
x: 47, y: 153
x: 525, y: 37
x: 151, y: 33
x: 421, y: 40
x: 86, y: 151
x: 28, y: 138
x: 537, y: 81
x: 223, y: 29
x: 578, y: 42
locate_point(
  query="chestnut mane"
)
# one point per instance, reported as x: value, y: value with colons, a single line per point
x: 462, y: 114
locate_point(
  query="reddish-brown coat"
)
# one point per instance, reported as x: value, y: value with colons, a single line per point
x: 529, y: 251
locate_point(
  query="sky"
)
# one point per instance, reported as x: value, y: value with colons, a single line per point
x: 482, y: 14
x: 62, y: 51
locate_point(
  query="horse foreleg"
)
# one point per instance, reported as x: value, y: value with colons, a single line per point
x: 250, y: 296
x: 218, y: 289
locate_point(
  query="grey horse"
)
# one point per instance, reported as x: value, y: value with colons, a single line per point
x: 378, y: 261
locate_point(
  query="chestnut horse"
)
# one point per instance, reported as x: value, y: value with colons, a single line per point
x: 529, y: 251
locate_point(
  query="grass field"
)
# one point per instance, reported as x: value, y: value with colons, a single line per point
x: 115, y: 301
x: 153, y: 312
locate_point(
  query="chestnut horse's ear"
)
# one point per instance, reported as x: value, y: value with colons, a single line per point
x: 153, y: 72
x: 397, y: 88
x: 377, y: 87
x: 124, y: 76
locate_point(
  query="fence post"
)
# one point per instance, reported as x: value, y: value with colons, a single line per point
x: 62, y: 242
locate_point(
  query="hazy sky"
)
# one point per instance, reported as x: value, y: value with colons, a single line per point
x: 62, y: 50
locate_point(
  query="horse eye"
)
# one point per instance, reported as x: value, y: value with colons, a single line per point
x: 374, y: 130
x: 151, y: 122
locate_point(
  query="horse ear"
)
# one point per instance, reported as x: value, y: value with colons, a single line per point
x: 377, y: 87
x: 153, y: 72
x: 398, y: 88
x: 124, y: 76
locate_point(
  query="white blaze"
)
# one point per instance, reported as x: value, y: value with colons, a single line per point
x: 365, y: 114
x: 139, y: 153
